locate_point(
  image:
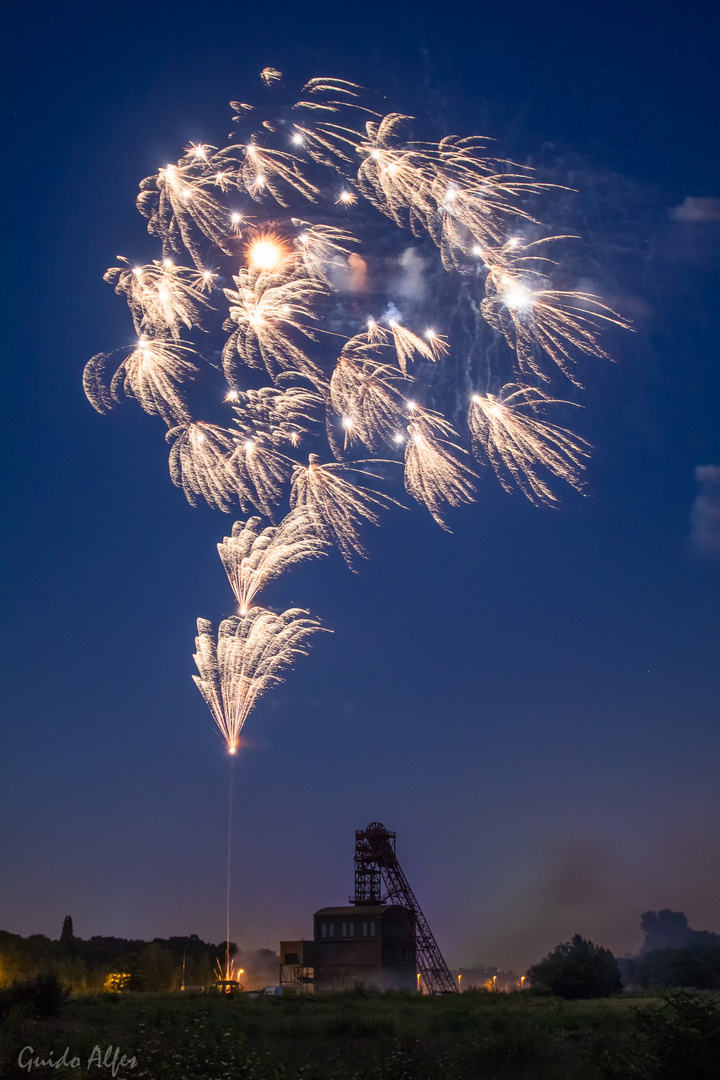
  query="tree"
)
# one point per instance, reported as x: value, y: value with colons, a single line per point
x: 697, y: 967
x: 578, y: 969
x: 67, y: 931
x: 670, y: 930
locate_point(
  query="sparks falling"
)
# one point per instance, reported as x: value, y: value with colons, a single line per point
x: 249, y: 655
x: 272, y: 228
x: 253, y: 556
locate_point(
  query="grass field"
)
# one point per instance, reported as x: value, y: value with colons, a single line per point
x: 362, y: 1036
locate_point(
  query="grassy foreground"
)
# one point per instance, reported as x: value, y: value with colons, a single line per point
x: 361, y: 1036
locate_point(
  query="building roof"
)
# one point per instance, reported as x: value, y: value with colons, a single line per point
x: 357, y: 909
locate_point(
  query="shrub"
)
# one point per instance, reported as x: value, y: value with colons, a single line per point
x: 578, y: 969
x: 42, y: 996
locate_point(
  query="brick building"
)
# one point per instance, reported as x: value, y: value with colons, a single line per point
x: 367, y: 945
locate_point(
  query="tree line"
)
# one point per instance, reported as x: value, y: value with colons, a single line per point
x: 157, y: 965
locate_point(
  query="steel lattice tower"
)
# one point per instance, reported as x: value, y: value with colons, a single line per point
x: 376, y: 864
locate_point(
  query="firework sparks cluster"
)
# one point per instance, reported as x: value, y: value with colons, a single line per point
x: 268, y: 292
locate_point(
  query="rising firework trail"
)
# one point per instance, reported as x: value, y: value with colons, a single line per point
x: 249, y: 655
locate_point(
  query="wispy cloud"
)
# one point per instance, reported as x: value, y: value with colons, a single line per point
x: 696, y: 210
x: 705, y: 513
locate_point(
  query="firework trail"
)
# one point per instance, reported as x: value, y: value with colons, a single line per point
x: 268, y: 274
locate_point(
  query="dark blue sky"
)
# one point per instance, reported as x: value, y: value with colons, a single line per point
x: 532, y: 701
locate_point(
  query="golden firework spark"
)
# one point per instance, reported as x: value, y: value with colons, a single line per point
x: 202, y: 464
x: 261, y: 170
x: 366, y: 394
x: 270, y: 75
x: 506, y: 430
x: 394, y: 178
x: 283, y: 415
x: 248, y: 657
x: 270, y: 316
x: 335, y: 508
x: 182, y: 209
x: 253, y: 556
x: 264, y: 472
x: 162, y: 296
x: 153, y: 373
x: 320, y: 245
x: 435, y: 473
x: 408, y: 345
x: 535, y: 318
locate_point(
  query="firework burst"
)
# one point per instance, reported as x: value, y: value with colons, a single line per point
x: 253, y: 556
x: 335, y: 508
x: 522, y: 448
x: 309, y: 375
x: 249, y: 655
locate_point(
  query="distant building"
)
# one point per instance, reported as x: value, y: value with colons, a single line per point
x: 297, y: 966
x: 371, y: 946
